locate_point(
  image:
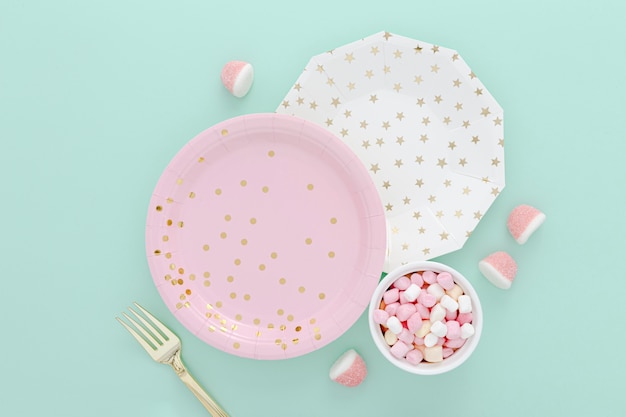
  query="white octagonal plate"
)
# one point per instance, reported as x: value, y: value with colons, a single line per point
x: 425, y: 127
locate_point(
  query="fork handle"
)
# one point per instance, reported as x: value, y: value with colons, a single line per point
x: 204, y: 398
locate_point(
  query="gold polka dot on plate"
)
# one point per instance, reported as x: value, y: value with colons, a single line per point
x: 271, y: 154
x: 310, y: 187
x: 243, y: 183
x: 282, y: 281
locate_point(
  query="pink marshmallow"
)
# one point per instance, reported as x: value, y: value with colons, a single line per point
x: 400, y: 349
x: 406, y: 336
x: 454, y: 329
x: 445, y: 280
x: 419, y: 341
x: 392, y: 308
x: 446, y: 352
x: 426, y: 299
x: 391, y: 296
x: 414, y: 357
x: 451, y: 315
x: 417, y: 279
x: 402, y: 283
x: 402, y: 298
x: 405, y: 311
x: 414, y: 322
x: 423, y: 310
x: 499, y: 268
x: 523, y: 221
x: 380, y: 316
x: 430, y: 277
x: 237, y: 77
x: 463, y: 318
x: 454, y: 343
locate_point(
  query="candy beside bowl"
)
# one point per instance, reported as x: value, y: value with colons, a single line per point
x: 425, y: 318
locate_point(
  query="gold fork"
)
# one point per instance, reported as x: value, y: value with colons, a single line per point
x: 165, y: 347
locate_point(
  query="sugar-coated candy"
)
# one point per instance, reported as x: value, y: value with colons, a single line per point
x: 523, y: 221
x: 400, y: 349
x: 445, y: 280
x: 402, y: 283
x: 433, y: 354
x: 414, y: 322
x: 412, y: 292
x: 429, y: 277
x: 499, y: 268
x: 431, y: 340
x: 405, y: 311
x: 380, y: 316
x: 237, y: 77
x: 437, y: 313
x: 349, y: 370
x: 436, y: 290
x: 390, y: 337
x: 467, y: 330
x: 439, y: 329
x: 391, y: 296
x: 448, y: 303
x: 394, y: 324
x: 465, y: 304
x: 453, y: 329
x: 415, y: 356
x: 417, y: 279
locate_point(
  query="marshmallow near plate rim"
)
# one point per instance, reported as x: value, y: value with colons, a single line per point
x: 523, y: 221
x: 499, y: 268
x: 237, y: 77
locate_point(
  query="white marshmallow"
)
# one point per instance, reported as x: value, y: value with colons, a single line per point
x: 390, y: 337
x: 455, y: 292
x: 467, y: 330
x: 438, y: 329
x: 430, y: 340
x: 465, y: 304
x: 412, y: 292
x: 436, y: 290
x: 448, y: 303
x: 394, y: 324
x: 437, y: 313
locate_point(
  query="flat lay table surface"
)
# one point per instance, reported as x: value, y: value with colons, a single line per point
x: 96, y: 99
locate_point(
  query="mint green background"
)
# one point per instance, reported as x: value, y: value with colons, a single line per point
x: 97, y: 96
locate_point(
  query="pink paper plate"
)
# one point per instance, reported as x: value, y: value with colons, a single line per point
x: 266, y: 236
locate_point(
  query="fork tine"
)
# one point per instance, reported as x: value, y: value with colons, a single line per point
x: 150, y: 330
x: 136, y: 335
x: 160, y: 326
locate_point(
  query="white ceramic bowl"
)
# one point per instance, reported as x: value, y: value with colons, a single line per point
x: 425, y: 368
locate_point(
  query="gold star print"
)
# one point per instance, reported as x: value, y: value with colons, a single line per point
x: 478, y: 215
x: 335, y: 102
x: 497, y: 121
x: 329, y: 122
x: 472, y: 75
x: 447, y: 120
x: 320, y: 69
x: 400, y: 140
x: 419, y: 160
x: 466, y: 191
x: 363, y: 124
x: 374, y: 168
x: 285, y: 104
x: 386, y: 185
x: 330, y: 81
x: 485, y: 179
x: 439, y: 214
x: 419, y: 182
x: 300, y: 101
x: 400, y: 116
x: 420, y: 102
x: 406, y: 201
x: 458, y: 214
x: 349, y: 57
x: 466, y: 123
x: 421, y: 230
x: 432, y: 198
x: 389, y: 207
x: 425, y: 121
x: 458, y: 106
x: 374, y: 50
x: 468, y: 234
x: 426, y: 251
x: 418, y: 49
x: 344, y: 133
x: 418, y: 79
x: 417, y: 215
x: 351, y: 86
x: 462, y: 162
x: 478, y: 91
x: 380, y: 142
x: 395, y: 230
x: 435, y: 49
x: 386, y: 125
x: 438, y: 99
x: 485, y: 111
x: 373, y: 98
x: 457, y: 83
x: 475, y: 140
x: 365, y: 144
x: 398, y: 163
x: 386, y: 69
x: 331, y: 52
x: 397, y: 87
x: 495, y: 162
x: 424, y: 138
x: 452, y: 145
x: 405, y: 246
x: 444, y: 236
x: 434, y: 68
x: 495, y: 191
x: 313, y: 105
x: 369, y: 74
x: 441, y: 162
x: 455, y: 57
x: 501, y: 142
x: 447, y: 183
x: 387, y: 35
x: 397, y: 54
x: 297, y: 86
x: 347, y: 113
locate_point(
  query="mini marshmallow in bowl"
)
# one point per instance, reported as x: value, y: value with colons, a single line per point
x: 425, y: 318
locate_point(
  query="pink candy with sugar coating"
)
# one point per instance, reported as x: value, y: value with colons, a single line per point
x: 499, y: 268
x: 237, y: 77
x: 523, y: 221
x: 349, y: 369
